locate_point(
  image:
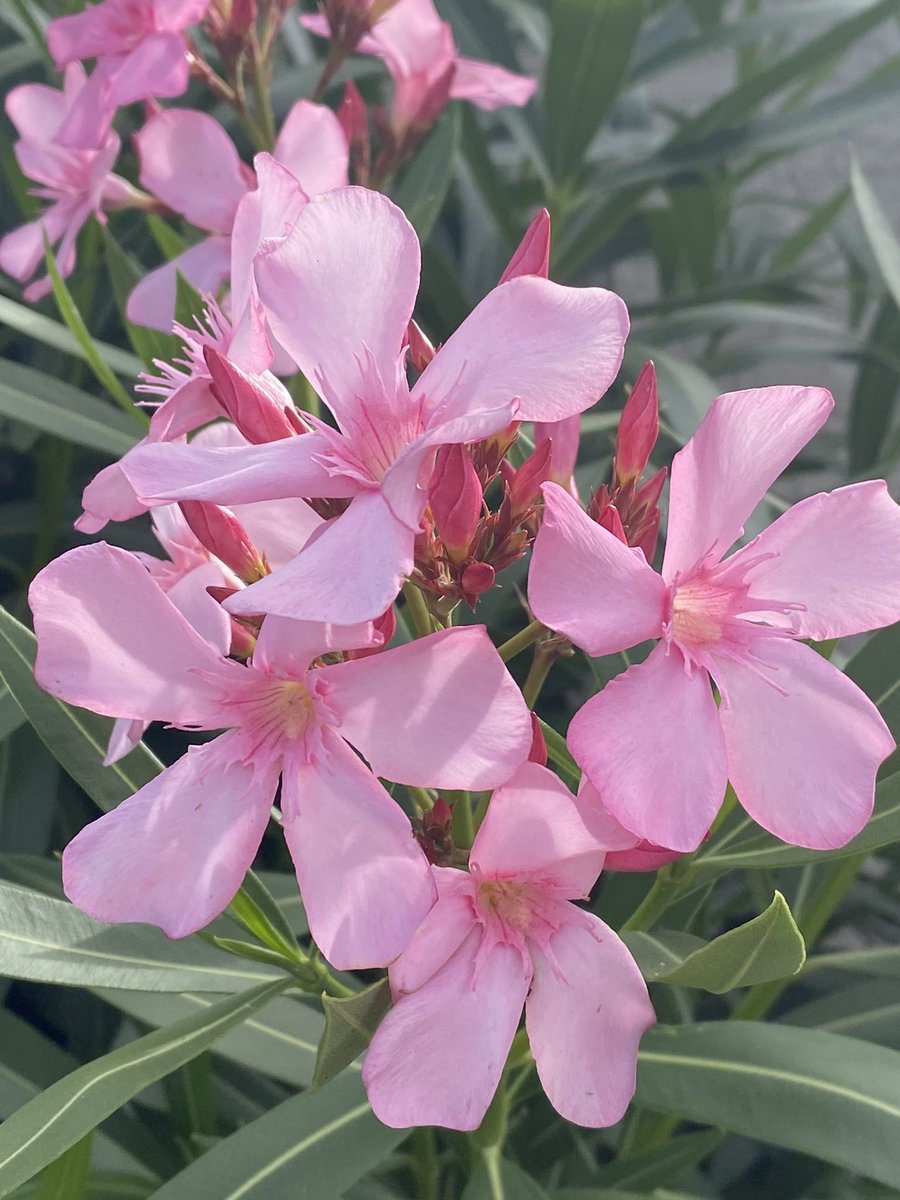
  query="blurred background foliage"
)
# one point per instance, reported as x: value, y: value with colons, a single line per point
x: 671, y: 141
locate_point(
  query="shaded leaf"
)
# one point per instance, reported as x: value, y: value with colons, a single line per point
x: 421, y: 190
x: 349, y: 1025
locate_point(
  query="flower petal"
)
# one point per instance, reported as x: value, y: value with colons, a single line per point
x: 740, y: 448
x: 437, y: 1056
x: 585, y: 1029
x: 175, y: 853
x: 440, y: 935
x: 108, y: 497
x: 587, y: 584
x: 313, y: 146
x: 837, y: 556
x: 285, y: 647
x: 366, y: 885
x: 489, y: 86
x: 534, y: 830
x: 555, y: 349
x: 442, y: 711
x: 651, y: 743
x: 110, y: 640
x: 802, y: 763
x: 157, y: 66
x: 341, y: 284
x: 205, y: 266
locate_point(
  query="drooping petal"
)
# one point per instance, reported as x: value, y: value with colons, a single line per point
x: 587, y: 584
x: 191, y: 164
x: 108, y: 497
x: 313, y: 147
x: 556, y: 349
x: 366, y: 885
x: 350, y: 571
x: 488, y: 86
x: 175, y: 853
x: 437, y: 1056
x: 442, y: 711
x: 342, y: 284
x: 836, y: 556
x: 651, y: 743
x: 740, y: 448
x: 110, y: 640
x: 205, y: 266
x: 534, y: 831
x: 440, y: 935
x: 803, y: 763
x: 585, y: 1029
x: 285, y: 647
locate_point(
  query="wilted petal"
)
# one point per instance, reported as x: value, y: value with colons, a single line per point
x: 651, y: 743
x: 175, y: 853
x: 584, y: 1029
x: 437, y: 1056
x: 802, y: 763
x: 366, y: 885
x: 587, y: 584
x: 741, y: 447
x: 442, y: 711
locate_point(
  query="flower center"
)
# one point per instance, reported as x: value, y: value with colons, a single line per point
x: 511, y: 903
x: 701, y: 611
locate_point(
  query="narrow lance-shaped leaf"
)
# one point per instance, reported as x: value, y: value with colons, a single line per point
x: 421, y: 190
x: 349, y: 1024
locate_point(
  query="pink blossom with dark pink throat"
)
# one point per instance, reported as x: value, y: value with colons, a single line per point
x: 798, y: 740
x: 504, y: 936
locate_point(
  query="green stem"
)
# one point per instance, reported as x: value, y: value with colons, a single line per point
x: 541, y: 665
x: 522, y: 640
x: 261, y: 95
x: 426, y: 1166
x: 337, y: 55
x: 417, y: 609
x: 463, y: 822
x: 666, y: 886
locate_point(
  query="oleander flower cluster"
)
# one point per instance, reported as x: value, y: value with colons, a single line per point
x: 312, y: 620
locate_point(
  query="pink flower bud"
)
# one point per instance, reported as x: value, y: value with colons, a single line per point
x: 638, y: 428
x: 354, y: 120
x: 385, y: 627
x: 642, y: 857
x: 564, y: 437
x: 456, y: 500
x: 421, y: 351
x: 609, y: 518
x: 533, y: 254
x: 257, y: 404
x: 477, y: 577
x: 538, y: 752
x: 219, y: 530
x: 525, y: 485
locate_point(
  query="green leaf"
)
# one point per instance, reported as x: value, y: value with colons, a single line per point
x: 656, y: 1167
x: 880, y: 235
x: 47, y: 1126
x: 882, y: 961
x: 255, y: 908
x: 496, y: 1178
x: 317, y: 1144
x: 51, y: 941
x: 189, y: 304
x: 869, y: 1010
x: 11, y: 716
x: 66, y: 1179
x: 590, y: 47
x: 768, y: 947
x: 349, y: 1025
x: 51, y: 333
x: 77, y: 739
x: 421, y: 190
x: 876, y: 669
x: 875, y: 389
x: 662, y: 951
x: 559, y: 755
x: 148, y: 344
x: 835, y: 1098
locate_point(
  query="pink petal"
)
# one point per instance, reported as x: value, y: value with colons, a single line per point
x: 442, y: 711
x: 196, y: 605
x: 803, y: 764
x: 175, y: 853
x: 365, y: 544
x: 110, y: 640
x: 206, y: 266
x: 280, y: 528
x: 313, y: 147
x: 191, y: 164
x: 564, y: 437
x: 124, y: 737
x: 585, y: 1028
x: 437, y: 1056
x: 837, y: 557
x: 341, y: 285
x: 36, y: 111
x: 411, y: 37
x: 287, y: 648
x: 87, y: 34
x: 179, y: 14
x: 532, y: 256
x: 366, y: 885
x: 651, y: 743
x: 488, y: 86
x: 157, y: 66
x: 108, y: 497
x: 555, y: 349
x: 612, y: 835
x: 741, y: 447
x: 587, y: 584
x: 443, y: 931
x: 534, y: 830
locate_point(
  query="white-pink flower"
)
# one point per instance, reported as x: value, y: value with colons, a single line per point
x: 439, y: 712
x: 503, y: 936
x: 339, y: 293
x: 798, y: 740
x: 77, y: 183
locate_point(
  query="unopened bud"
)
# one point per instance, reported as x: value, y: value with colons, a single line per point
x: 532, y: 257
x: 421, y: 351
x: 564, y: 436
x: 354, y: 121
x: 258, y: 405
x: 456, y: 500
x: 538, y: 752
x: 435, y: 835
x: 638, y: 428
x: 524, y: 488
x: 219, y: 530
x: 477, y: 577
x: 609, y: 518
x: 386, y: 627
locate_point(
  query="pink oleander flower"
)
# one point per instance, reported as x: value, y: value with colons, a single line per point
x: 428, y: 70
x: 190, y: 163
x: 339, y: 292
x: 175, y: 853
x: 624, y: 851
x: 503, y: 936
x: 140, y: 50
x: 78, y: 183
x: 799, y: 742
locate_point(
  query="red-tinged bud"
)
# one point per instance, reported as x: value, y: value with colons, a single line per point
x: 219, y: 530
x: 243, y: 641
x: 434, y: 833
x: 477, y: 577
x: 638, y: 428
x: 456, y: 500
x: 611, y: 520
x: 533, y: 254
x: 642, y: 857
x: 525, y: 488
x: 538, y: 752
x: 258, y: 405
x: 386, y: 626
x: 354, y: 120
x: 421, y: 351
x: 647, y: 536
x: 564, y: 437
x: 243, y: 14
